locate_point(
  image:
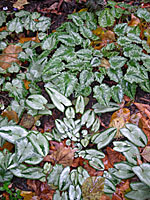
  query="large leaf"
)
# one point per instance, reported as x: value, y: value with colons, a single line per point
x: 134, y: 134
x: 142, y: 172
x: 53, y: 177
x: 39, y: 142
x: 12, y: 133
x: 140, y: 191
x: 124, y: 170
x: 15, y: 25
x: 102, y: 93
x: 23, y: 171
x: 36, y: 101
x: 106, y: 18
x: 58, y: 99
x: 144, y: 13
x: 104, y: 138
x: 64, y: 179
x: 117, y: 62
x: 100, y: 108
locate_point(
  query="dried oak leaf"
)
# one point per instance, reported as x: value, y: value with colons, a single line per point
x: 93, y: 188
x: 9, y: 55
x: 114, y: 156
x: 146, y: 153
x: 62, y: 155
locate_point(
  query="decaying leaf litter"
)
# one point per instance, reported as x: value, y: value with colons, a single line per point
x: 75, y: 104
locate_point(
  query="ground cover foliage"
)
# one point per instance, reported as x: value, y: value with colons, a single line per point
x: 100, y: 55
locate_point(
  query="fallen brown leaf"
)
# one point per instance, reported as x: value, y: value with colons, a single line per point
x: 27, y: 121
x: 62, y: 155
x: 11, y: 115
x: 134, y: 21
x: 9, y: 55
x: 20, y: 4
x: 114, y: 156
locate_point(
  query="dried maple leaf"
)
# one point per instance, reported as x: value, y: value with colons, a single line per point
x: 9, y: 55
x: 20, y: 4
x: 114, y: 156
x: 7, y: 145
x: 146, y: 153
x: 26, y: 39
x: 62, y: 155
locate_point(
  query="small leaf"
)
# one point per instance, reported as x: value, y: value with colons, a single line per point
x: 80, y: 105
x: 70, y: 113
x: 117, y: 62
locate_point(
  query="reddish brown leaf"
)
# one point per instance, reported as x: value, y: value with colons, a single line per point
x: 9, y: 55
x: 105, y: 197
x: 62, y: 155
x: 114, y: 156
x: 11, y: 115
x: 107, y: 162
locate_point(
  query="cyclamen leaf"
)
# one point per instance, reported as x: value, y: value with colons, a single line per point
x: 80, y: 105
x: 102, y: 93
x: 12, y: 133
x: 117, y: 62
x: 76, y: 19
x: 123, y: 41
x: 85, y: 54
x: 50, y: 43
x: 58, y: 99
x: 117, y: 93
x: 142, y: 172
x: 68, y: 40
x: 36, y: 101
x: 39, y: 142
x: 124, y: 170
x: 15, y: 25
x: 144, y: 13
x: 28, y: 172
x: 134, y: 134
x: 87, y: 33
x: 64, y: 179
x: 104, y: 138
x: 106, y: 18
